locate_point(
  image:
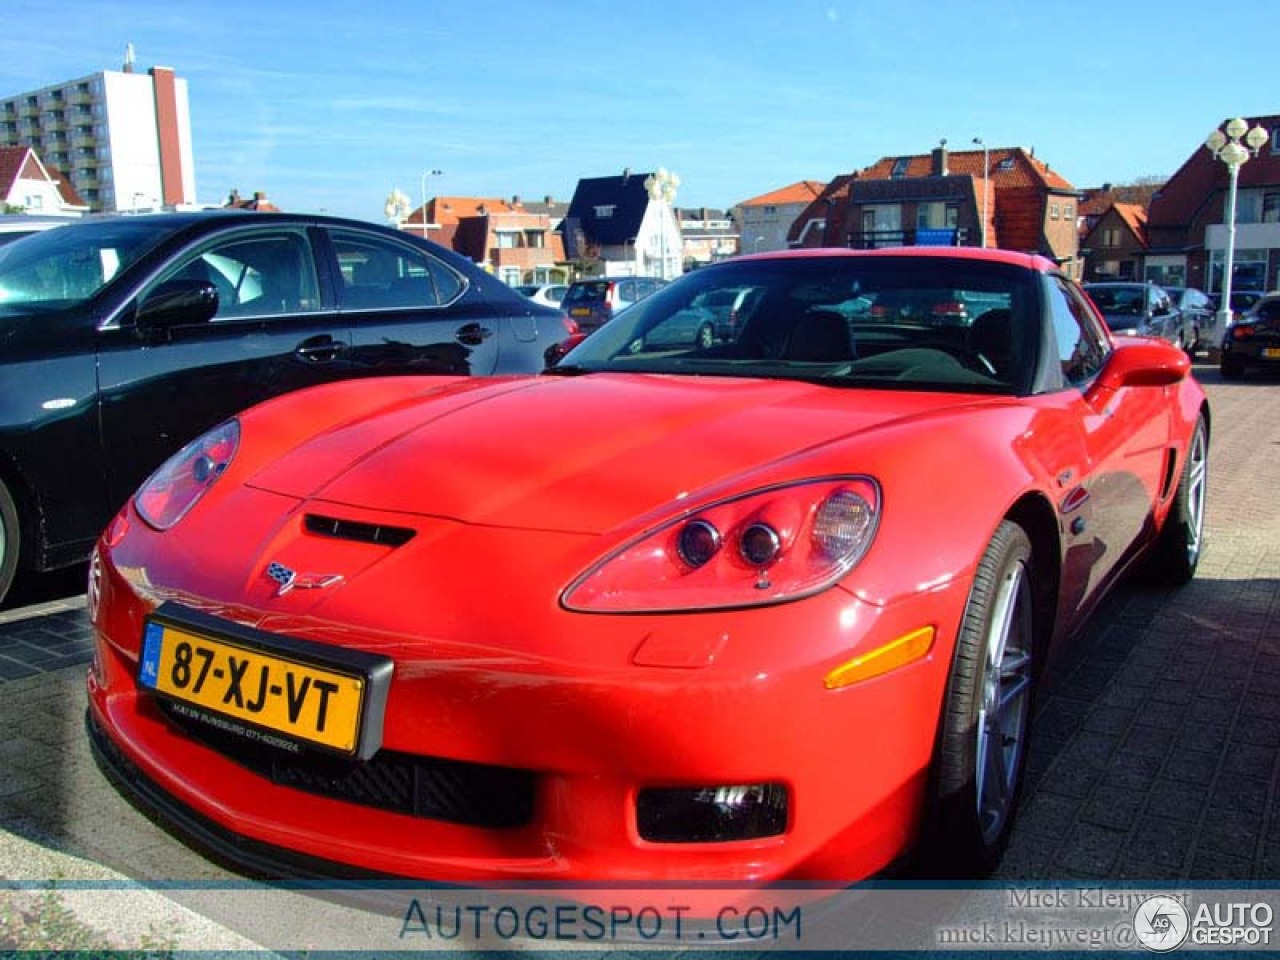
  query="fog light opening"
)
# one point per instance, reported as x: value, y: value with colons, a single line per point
x: 713, y: 814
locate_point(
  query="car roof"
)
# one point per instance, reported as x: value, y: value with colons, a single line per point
x: 1032, y: 261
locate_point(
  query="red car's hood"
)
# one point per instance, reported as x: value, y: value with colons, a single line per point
x: 580, y: 454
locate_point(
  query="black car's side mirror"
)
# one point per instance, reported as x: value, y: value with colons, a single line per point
x: 175, y: 303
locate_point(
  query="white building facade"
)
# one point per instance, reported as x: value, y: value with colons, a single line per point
x: 122, y: 138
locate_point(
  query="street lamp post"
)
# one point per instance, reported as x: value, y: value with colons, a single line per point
x: 426, y: 174
x: 1226, y: 146
x: 986, y: 174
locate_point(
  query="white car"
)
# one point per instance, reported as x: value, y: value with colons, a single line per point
x: 549, y: 294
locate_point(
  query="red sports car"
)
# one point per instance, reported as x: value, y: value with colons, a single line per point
x: 773, y: 608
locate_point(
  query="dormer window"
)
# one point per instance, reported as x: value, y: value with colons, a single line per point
x: 900, y: 167
x: 605, y: 211
x: 1005, y: 164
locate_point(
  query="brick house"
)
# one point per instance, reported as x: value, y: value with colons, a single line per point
x: 517, y: 246
x: 1015, y: 202
x: 1187, y: 233
x: 1116, y: 246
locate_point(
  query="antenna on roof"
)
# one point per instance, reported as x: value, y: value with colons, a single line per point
x: 128, y: 58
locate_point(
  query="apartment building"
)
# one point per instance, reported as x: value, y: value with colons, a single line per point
x: 122, y: 138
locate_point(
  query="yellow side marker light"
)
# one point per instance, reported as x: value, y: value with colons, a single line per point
x: 894, y: 654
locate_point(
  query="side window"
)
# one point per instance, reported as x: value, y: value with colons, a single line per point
x: 378, y: 273
x: 256, y: 275
x: 1082, y: 347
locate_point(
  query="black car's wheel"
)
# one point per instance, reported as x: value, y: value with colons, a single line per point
x: 706, y: 336
x: 982, y: 736
x: 1231, y: 367
x: 9, y: 540
x: 1177, y: 550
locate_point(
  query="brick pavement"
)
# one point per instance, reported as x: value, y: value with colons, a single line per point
x: 1157, y: 744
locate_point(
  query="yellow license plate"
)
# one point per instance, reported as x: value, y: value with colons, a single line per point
x: 1271, y: 353
x: 580, y: 312
x: 300, y: 700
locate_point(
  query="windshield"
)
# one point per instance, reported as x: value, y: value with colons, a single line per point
x: 62, y: 268
x: 928, y: 322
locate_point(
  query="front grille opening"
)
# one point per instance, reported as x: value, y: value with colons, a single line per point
x: 453, y: 791
x: 354, y: 530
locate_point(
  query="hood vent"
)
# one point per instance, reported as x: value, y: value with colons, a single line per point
x: 361, y: 532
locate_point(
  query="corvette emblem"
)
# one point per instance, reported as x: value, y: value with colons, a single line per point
x: 291, y: 579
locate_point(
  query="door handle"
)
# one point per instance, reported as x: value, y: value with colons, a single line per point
x: 321, y: 349
x: 473, y: 334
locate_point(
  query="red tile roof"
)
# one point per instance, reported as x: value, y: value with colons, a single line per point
x: 803, y: 191
x: 1023, y: 168
x: 1134, y: 217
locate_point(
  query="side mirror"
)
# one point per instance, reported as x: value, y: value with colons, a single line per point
x: 1149, y: 363
x: 177, y: 302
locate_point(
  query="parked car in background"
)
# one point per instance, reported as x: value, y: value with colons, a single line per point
x: 1241, y: 300
x: 480, y: 655
x: 1141, y: 309
x: 121, y: 338
x: 592, y: 303
x: 1253, y: 339
x: 547, y: 294
x: 1198, y: 313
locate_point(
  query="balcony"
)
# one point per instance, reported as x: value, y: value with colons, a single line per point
x: 917, y: 237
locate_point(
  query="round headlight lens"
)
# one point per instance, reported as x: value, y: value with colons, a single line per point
x: 760, y: 544
x: 698, y: 542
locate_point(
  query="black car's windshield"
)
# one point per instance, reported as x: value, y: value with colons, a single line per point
x: 931, y: 322
x: 61, y: 268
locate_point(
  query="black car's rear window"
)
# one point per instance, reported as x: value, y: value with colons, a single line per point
x: 587, y: 292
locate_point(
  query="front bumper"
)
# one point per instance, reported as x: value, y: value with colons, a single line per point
x: 592, y: 736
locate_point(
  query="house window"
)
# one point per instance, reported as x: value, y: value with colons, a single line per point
x: 1271, y: 207
x: 1067, y: 211
x: 1275, y: 140
x: 1111, y: 237
x: 508, y: 239
x: 1053, y: 211
x: 900, y: 167
x: 534, y: 239
x: 605, y: 211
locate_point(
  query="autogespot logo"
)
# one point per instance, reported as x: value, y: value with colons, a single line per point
x: 1161, y: 923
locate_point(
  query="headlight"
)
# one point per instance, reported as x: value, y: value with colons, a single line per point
x: 758, y: 548
x: 183, y: 479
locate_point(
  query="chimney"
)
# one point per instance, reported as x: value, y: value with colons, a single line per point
x: 940, y: 160
x: 259, y: 195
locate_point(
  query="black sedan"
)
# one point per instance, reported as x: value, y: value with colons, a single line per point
x: 1253, y: 339
x: 122, y: 338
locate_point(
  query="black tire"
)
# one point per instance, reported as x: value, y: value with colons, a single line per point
x: 1231, y: 367
x: 1177, y: 549
x: 706, y: 336
x: 10, y: 540
x: 975, y: 789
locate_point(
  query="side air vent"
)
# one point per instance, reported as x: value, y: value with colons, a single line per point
x: 361, y: 532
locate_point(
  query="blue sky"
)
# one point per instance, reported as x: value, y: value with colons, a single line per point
x: 328, y: 106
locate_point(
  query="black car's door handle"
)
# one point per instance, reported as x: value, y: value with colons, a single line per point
x: 473, y: 334
x: 320, y: 349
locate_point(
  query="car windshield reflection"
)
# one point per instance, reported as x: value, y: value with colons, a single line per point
x: 58, y: 269
x: 876, y: 321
